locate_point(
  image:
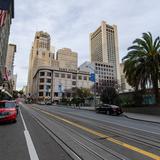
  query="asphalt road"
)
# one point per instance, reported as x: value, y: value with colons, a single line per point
x: 61, y: 133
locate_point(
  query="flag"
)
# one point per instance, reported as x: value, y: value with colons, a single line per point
x: 5, y: 4
x: 3, y: 14
x: 4, y: 7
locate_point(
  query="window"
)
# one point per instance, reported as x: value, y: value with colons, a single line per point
x: 42, y: 73
x: 74, y: 76
x: 68, y: 76
x: 85, y: 78
x: 41, y: 80
x: 48, y: 87
x: 47, y: 93
x: 56, y: 94
x: 7, y: 105
x: 62, y: 75
x: 40, y: 93
x: 56, y: 74
x: 74, y: 83
x: 80, y: 77
x: 41, y: 87
x: 48, y: 80
x: 49, y: 74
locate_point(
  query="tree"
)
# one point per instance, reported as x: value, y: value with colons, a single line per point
x: 109, y: 95
x: 142, y: 63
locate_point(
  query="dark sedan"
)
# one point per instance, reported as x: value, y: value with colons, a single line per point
x: 109, y: 109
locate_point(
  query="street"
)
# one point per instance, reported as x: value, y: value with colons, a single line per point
x: 48, y: 132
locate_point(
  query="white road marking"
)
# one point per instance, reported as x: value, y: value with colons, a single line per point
x: 31, y: 149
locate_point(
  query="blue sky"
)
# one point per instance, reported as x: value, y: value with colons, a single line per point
x: 69, y: 23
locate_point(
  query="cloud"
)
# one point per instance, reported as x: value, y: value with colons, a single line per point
x: 70, y: 22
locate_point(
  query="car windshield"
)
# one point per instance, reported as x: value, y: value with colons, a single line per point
x: 7, y: 105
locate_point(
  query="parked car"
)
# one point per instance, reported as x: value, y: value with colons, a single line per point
x: 17, y: 106
x: 8, y: 111
x: 109, y: 109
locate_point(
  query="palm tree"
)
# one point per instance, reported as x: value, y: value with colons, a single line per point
x: 142, y: 63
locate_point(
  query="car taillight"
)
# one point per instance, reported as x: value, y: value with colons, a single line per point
x: 12, y: 112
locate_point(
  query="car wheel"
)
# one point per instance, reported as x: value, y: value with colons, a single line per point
x: 108, y: 112
x: 97, y: 111
x: 14, y: 121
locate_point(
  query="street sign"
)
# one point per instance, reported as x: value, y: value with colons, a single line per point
x: 92, y: 77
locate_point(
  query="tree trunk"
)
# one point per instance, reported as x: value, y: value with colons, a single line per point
x: 156, y: 91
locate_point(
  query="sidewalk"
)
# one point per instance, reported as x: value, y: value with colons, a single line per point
x: 143, y: 117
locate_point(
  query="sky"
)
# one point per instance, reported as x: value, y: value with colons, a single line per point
x: 69, y: 23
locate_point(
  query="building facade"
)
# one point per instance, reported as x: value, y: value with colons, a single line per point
x: 10, y: 59
x: 104, y: 73
x: 67, y: 58
x: 52, y: 83
x: 4, y: 37
x: 125, y: 87
x: 40, y: 55
x: 104, y: 46
x: 14, y: 81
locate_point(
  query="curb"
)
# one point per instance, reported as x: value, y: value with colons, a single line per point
x: 140, y: 119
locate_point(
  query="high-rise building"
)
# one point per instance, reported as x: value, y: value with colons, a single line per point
x: 10, y: 59
x: 67, y: 58
x: 40, y: 55
x: 104, y: 46
x: 125, y: 87
x: 4, y: 34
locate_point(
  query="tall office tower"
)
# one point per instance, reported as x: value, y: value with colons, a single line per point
x: 40, y: 55
x: 10, y: 59
x: 67, y: 58
x: 8, y: 10
x: 104, y: 46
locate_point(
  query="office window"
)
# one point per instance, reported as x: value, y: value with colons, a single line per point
x: 41, y: 87
x: 49, y: 74
x: 74, y: 76
x: 42, y: 73
x: 62, y: 75
x: 48, y: 80
x: 41, y: 80
x: 85, y: 78
x: 68, y: 76
x: 80, y: 77
x: 48, y: 94
x: 73, y: 83
x: 40, y: 93
x: 56, y: 74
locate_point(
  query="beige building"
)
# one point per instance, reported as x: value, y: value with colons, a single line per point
x: 104, y: 46
x: 10, y: 59
x: 125, y: 87
x: 52, y: 83
x: 67, y: 58
x: 50, y: 77
x: 40, y: 55
x: 14, y: 81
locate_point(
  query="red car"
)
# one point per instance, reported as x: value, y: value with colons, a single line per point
x: 8, y: 111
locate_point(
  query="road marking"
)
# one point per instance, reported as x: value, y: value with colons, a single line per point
x: 31, y: 149
x: 101, y: 135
